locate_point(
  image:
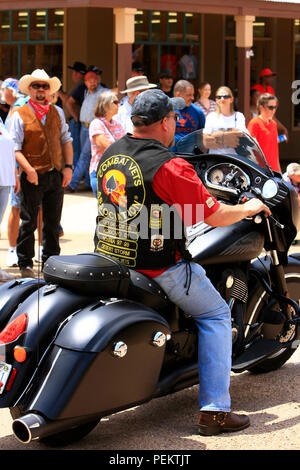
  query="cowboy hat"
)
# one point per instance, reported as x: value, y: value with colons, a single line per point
x: 39, y: 75
x: 138, y: 83
x: 78, y: 67
x: 293, y: 169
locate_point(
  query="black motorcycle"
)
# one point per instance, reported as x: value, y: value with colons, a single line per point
x: 67, y: 342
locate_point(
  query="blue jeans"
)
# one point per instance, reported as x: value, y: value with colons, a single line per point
x: 93, y: 180
x: 74, y: 127
x: 83, y: 165
x: 213, y: 320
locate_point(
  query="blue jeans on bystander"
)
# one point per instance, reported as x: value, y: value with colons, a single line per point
x: 82, y: 168
x: 74, y: 127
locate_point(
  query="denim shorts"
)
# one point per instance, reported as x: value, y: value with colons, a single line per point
x: 15, y: 200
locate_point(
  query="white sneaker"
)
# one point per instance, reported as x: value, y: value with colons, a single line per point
x: 11, y: 258
x: 38, y: 256
x: 4, y: 276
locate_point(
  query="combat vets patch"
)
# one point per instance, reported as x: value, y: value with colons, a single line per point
x: 114, y: 176
x: 121, y: 195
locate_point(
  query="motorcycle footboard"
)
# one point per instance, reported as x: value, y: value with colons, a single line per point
x: 256, y: 353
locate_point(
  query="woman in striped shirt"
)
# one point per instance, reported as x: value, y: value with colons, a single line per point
x: 204, y: 102
x: 103, y: 131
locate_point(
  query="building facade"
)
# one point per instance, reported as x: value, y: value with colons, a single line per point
x: 219, y: 42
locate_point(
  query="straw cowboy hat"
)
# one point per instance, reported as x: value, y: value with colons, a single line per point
x: 293, y: 169
x: 39, y: 75
x: 138, y: 83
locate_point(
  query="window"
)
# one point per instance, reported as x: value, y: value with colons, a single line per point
x: 31, y: 39
x: 168, y: 40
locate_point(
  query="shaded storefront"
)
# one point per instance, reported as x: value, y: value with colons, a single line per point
x: 219, y: 42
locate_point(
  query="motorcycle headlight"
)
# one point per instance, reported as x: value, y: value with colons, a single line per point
x: 269, y: 189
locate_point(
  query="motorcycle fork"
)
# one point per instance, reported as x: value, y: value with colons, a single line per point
x: 237, y: 309
x: 278, y: 276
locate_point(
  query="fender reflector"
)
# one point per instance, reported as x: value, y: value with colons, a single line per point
x: 20, y: 354
x: 11, y: 379
x: 13, y: 330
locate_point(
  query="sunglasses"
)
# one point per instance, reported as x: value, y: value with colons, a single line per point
x: 175, y: 116
x: 271, y: 108
x: 36, y: 86
x: 226, y: 97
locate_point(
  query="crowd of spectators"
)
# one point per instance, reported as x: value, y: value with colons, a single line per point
x: 94, y: 117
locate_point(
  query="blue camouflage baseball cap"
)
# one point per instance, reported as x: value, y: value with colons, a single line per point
x: 11, y: 83
x: 151, y: 106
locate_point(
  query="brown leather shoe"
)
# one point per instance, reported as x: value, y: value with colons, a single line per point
x: 215, y: 422
x: 27, y: 272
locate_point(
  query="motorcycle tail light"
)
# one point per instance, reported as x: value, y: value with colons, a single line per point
x: 13, y: 330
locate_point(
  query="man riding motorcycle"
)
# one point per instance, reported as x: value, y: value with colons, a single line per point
x: 139, y: 172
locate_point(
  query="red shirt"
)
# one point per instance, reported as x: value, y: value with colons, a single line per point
x: 262, y: 89
x: 177, y: 183
x: 267, y: 137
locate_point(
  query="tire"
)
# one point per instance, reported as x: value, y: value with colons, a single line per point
x: 275, y: 331
x: 70, y: 435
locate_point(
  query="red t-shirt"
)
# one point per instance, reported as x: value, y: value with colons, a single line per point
x: 267, y: 137
x: 177, y: 183
x: 262, y: 89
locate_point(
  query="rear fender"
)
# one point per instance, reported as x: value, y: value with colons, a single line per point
x: 46, y: 308
x: 295, y: 256
x: 82, y: 375
x: 13, y: 293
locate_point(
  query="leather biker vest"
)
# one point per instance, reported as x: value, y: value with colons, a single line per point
x: 134, y: 225
x: 41, y: 144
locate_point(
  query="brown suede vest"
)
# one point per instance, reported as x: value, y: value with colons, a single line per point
x: 41, y: 144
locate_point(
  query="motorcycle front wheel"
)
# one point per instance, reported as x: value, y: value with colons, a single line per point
x: 257, y: 303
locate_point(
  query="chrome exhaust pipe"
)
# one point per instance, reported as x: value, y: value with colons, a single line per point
x: 34, y: 426
x: 27, y: 428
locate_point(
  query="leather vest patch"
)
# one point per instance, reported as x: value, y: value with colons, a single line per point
x: 121, y: 197
x: 134, y: 225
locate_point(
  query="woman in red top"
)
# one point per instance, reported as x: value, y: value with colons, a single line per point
x: 263, y: 127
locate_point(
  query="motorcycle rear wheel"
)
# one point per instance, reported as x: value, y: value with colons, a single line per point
x: 70, y: 435
x: 275, y: 331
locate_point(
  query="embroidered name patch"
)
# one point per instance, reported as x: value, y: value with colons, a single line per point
x: 210, y: 202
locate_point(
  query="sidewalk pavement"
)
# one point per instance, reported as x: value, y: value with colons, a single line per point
x: 78, y: 222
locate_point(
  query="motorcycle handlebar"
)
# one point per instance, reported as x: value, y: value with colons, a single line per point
x: 246, y: 196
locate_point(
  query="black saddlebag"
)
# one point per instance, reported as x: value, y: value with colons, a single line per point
x: 88, y: 274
